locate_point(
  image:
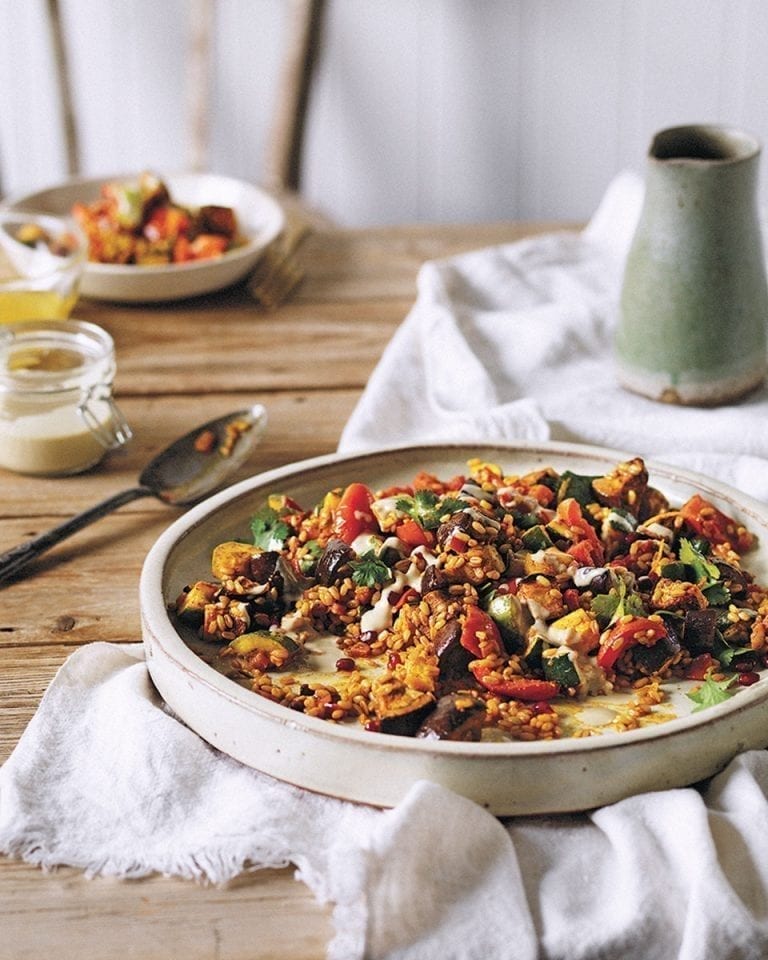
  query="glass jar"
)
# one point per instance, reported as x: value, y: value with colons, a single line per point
x: 57, y: 413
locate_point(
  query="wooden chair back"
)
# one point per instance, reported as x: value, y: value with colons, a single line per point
x: 282, y: 162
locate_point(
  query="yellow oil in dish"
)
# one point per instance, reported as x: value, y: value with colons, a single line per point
x: 41, y: 262
x: 35, y: 305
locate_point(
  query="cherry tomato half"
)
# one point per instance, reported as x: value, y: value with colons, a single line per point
x: 353, y: 513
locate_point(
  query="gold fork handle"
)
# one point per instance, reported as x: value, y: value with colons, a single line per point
x: 277, y: 275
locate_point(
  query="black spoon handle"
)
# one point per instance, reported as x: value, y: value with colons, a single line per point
x: 13, y: 560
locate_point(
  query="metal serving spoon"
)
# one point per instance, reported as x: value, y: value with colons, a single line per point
x: 192, y: 467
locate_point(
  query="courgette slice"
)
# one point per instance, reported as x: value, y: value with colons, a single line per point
x: 232, y: 558
x: 264, y: 640
x: 562, y: 670
x: 578, y: 486
x: 534, y: 651
x: 536, y: 538
x: 191, y: 602
x: 508, y: 614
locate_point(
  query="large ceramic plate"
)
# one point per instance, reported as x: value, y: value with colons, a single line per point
x: 344, y: 760
x: 261, y: 219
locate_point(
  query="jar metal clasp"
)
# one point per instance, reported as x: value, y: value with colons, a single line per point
x: 112, y: 433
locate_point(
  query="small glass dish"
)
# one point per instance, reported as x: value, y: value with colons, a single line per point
x: 42, y: 258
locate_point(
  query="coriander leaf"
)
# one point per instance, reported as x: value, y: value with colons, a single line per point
x: 309, y: 559
x: 451, y: 505
x: 409, y: 505
x: 726, y: 655
x: 425, y: 500
x: 369, y: 571
x: 634, y: 606
x: 717, y: 594
x: 426, y: 508
x: 268, y: 530
x: 604, y: 606
x: 711, y: 692
x: 692, y: 556
x: 610, y: 607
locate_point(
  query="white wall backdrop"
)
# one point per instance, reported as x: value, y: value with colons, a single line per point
x: 431, y: 110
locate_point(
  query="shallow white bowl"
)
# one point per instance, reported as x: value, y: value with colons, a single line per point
x: 346, y: 761
x: 260, y: 218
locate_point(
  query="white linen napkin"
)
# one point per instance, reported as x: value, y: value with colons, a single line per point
x: 106, y: 779
x: 515, y: 343
x: 510, y: 342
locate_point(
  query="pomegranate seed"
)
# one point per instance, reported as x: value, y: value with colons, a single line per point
x: 345, y: 663
x: 747, y: 679
x: 542, y: 706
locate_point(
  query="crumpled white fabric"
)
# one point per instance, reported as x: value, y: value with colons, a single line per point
x: 514, y: 342
x: 106, y: 779
x: 507, y: 343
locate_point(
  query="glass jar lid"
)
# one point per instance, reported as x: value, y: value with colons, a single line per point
x: 49, y: 356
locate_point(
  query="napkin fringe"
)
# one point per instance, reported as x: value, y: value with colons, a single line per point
x: 211, y: 868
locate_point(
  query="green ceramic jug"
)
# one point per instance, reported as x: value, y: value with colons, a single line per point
x: 694, y: 300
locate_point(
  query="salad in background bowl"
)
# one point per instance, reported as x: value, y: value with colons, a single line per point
x: 229, y: 223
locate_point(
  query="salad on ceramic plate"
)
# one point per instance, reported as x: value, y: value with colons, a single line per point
x: 163, y: 237
x: 541, y: 628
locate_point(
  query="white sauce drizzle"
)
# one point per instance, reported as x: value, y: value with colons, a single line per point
x: 658, y: 530
x: 616, y: 520
x: 369, y: 541
x: 584, y: 576
x: 379, y: 617
x: 386, y: 507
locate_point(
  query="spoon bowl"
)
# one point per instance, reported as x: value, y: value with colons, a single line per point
x: 205, y: 458
x: 192, y: 467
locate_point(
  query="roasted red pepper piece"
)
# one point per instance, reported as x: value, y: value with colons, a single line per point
x: 700, y: 666
x: 480, y: 635
x: 625, y: 634
x: 517, y: 688
x: 208, y: 246
x: 587, y: 553
x: 587, y: 548
x: 715, y: 526
x: 405, y: 597
x: 413, y: 534
x: 166, y: 223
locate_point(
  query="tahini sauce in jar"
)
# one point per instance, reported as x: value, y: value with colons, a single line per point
x: 57, y: 413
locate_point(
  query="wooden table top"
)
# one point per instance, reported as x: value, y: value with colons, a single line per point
x: 178, y: 365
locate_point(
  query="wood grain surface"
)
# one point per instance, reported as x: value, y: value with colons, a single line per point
x: 179, y: 365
